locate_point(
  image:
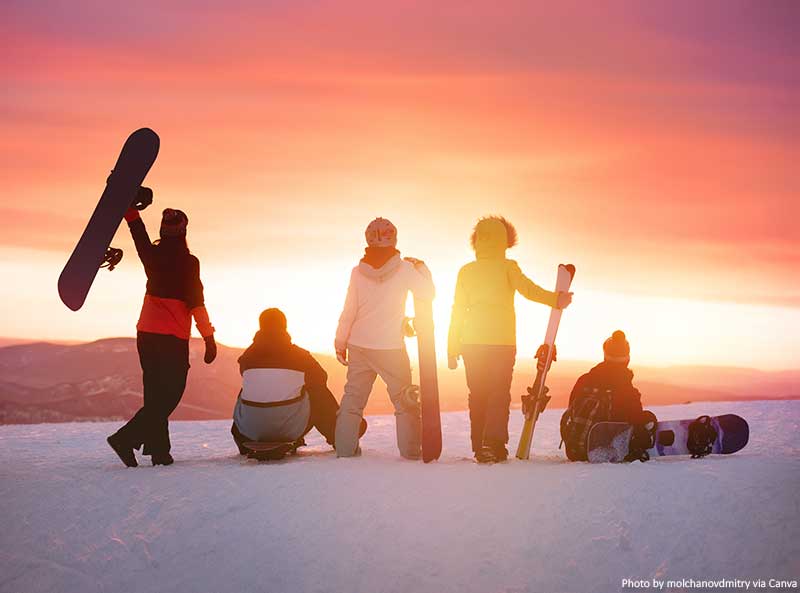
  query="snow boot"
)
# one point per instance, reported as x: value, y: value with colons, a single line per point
x: 500, y: 453
x: 485, y: 455
x: 162, y: 459
x: 123, y: 450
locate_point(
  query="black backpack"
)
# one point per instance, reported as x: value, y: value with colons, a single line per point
x: 591, y: 405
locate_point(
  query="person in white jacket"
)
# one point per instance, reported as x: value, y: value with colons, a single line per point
x: 369, y: 339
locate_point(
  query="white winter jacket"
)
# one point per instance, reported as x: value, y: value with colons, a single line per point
x: 376, y: 302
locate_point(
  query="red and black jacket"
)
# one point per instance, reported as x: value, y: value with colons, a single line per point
x: 174, y: 291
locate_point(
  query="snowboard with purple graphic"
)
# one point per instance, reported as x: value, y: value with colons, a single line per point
x: 608, y: 441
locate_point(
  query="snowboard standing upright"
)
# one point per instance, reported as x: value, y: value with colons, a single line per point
x: 534, y: 403
x: 122, y: 189
x: 609, y: 442
x: 428, y: 381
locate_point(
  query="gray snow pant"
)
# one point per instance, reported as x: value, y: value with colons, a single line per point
x: 364, y: 366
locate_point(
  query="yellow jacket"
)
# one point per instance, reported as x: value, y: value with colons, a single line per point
x: 483, y: 308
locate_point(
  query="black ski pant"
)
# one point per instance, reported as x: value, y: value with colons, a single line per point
x: 165, y: 366
x: 324, y: 408
x: 489, y: 369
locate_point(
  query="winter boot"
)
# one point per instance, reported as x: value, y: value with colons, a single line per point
x: 162, y: 459
x: 485, y: 455
x: 500, y: 452
x: 123, y: 450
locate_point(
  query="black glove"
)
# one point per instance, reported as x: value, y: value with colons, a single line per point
x: 144, y: 197
x: 541, y: 357
x: 211, y: 349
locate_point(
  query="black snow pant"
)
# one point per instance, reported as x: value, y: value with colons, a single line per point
x: 165, y: 366
x: 323, y: 416
x: 489, y: 369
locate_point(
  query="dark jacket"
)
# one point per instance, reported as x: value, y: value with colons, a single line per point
x: 276, y: 351
x: 626, y: 403
x: 174, y: 291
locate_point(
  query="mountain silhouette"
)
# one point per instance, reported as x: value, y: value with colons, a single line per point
x: 45, y: 382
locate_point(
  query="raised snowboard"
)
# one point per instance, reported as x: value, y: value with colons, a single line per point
x: 272, y: 451
x: 428, y: 381
x: 122, y: 190
x: 608, y: 442
x: 534, y: 403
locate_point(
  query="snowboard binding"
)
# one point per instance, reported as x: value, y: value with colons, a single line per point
x: 702, y: 436
x: 537, y: 394
x: 410, y: 399
x: 642, y: 439
x: 112, y: 257
x: 530, y: 401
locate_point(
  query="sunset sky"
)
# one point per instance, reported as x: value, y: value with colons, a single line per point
x: 653, y: 145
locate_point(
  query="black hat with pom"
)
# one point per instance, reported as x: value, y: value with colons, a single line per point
x: 616, y: 348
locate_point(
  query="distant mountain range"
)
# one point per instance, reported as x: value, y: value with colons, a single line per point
x: 46, y: 382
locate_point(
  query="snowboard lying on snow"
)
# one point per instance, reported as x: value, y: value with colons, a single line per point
x: 609, y: 442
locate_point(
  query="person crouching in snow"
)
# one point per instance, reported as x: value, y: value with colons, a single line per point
x: 483, y: 332
x: 284, y: 389
x: 605, y: 393
x: 174, y: 295
x: 369, y: 339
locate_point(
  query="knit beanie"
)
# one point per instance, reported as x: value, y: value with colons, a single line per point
x: 616, y: 348
x: 173, y: 223
x: 381, y: 233
x: 272, y: 320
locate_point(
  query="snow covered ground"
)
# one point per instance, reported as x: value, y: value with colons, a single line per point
x: 74, y: 519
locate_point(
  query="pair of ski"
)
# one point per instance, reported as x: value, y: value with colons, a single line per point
x: 123, y: 190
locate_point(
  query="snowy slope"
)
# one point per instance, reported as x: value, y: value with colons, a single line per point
x: 74, y: 519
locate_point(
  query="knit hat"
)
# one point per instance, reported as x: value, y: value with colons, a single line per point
x: 272, y: 320
x: 381, y: 233
x: 173, y: 223
x: 616, y: 348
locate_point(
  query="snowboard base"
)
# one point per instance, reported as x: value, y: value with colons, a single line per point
x: 428, y: 381
x: 123, y: 190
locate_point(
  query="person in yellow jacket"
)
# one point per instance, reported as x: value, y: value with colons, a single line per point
x: 483, y: 332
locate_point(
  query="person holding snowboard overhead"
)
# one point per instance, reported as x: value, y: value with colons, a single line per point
x: 173, y: 296
x: 284, y: 389
x: 604, y: 394
x: 483, y: 332
x: 369, y: 339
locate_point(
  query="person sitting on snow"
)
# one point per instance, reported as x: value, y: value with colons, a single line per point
x: 284, y: 389
x: 604, y: 394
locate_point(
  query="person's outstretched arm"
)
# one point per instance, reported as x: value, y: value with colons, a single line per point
x: 529, y: 289
x: 457, y: 315
x: 144, y: 247
x: 346, y: 319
